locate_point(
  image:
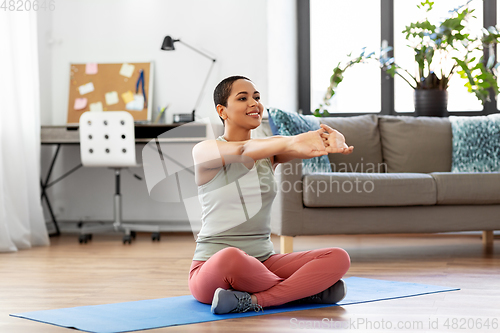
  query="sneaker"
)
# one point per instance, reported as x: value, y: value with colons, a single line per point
x: 226, y: 301
x: 332, y: 295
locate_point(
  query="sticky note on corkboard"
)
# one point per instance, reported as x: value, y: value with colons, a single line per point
x: 109, y: 79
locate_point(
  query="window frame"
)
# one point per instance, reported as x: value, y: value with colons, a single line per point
x: 387, y: 82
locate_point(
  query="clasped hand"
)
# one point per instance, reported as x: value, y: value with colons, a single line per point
x: 334, y: 141
x: 321, y: 142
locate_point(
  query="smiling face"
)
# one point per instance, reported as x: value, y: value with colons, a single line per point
x: 244, y: 108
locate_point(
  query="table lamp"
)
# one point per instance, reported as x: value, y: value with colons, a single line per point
x: 168, y: 45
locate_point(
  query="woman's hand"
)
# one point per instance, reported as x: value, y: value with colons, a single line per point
x: 309, y: 144
x: 334, y: 141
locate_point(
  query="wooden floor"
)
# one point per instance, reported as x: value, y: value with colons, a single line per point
x: 69, y: 274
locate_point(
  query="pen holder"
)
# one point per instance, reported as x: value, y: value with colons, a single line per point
x: 159, y: 117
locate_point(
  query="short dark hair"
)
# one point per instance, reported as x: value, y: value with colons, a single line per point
x: 223, y: 90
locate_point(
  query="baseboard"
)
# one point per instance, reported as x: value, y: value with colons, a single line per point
x: 73, y: 226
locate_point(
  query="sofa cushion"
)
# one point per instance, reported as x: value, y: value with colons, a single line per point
x: 289, y: 123
x: 467, y: 188
x: 273, y: 127
x: 476, y: 143
x: 368, y: 189
x: 416, y: 144
x: 361, y: 132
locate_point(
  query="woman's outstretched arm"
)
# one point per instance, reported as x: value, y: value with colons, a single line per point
x: 214, y: 154
x: 211, y: 155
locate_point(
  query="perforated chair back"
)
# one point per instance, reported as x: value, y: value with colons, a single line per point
x: 107, y: 139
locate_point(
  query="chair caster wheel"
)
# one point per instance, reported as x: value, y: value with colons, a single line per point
x: 127, y: 239
x: 84, y: 238
x: 155, y: 236
x: 133, y: 234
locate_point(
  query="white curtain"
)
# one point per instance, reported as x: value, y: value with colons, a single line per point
x: 22, y: 223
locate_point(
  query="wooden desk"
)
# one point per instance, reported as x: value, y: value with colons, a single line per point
x: 70, y: 135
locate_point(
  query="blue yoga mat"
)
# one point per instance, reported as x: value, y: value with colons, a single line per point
x: 182, y: 310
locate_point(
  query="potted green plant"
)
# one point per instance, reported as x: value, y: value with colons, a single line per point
x: 431, y: 43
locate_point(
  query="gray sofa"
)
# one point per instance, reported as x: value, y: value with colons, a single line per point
x: 397, y: 180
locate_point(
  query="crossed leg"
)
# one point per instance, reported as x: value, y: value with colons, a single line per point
x: 280, y: 279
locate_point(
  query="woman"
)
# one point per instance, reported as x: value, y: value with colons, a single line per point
x: 234, y: 266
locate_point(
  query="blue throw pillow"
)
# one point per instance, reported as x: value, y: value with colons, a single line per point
x: 271, y: 124
x: 288, y: 124
x: 476, y: 143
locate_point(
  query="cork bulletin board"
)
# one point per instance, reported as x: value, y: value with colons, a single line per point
x: 111, y: 87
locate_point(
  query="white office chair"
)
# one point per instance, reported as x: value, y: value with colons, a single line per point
x: 107, y: 139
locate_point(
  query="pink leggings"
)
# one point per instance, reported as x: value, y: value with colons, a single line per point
x: 280, y: 279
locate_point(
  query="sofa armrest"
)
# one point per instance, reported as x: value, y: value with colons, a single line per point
x: 288, y: 207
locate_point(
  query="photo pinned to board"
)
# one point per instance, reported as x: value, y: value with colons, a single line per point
x: 137, y: 104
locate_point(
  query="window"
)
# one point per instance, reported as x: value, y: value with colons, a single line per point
x: 406, y: 12
x: 334, y: 34
x: 330, y: 29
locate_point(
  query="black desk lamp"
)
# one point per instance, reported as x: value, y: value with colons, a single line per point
x: 168, y: 45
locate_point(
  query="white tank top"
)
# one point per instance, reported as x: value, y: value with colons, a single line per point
x: 236, y: 210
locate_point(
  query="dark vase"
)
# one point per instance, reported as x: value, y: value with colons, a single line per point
x: 431, y: 102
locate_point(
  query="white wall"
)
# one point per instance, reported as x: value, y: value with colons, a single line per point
x: 44, y: 21
x: 233, y: 32
x: 254, y: 38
